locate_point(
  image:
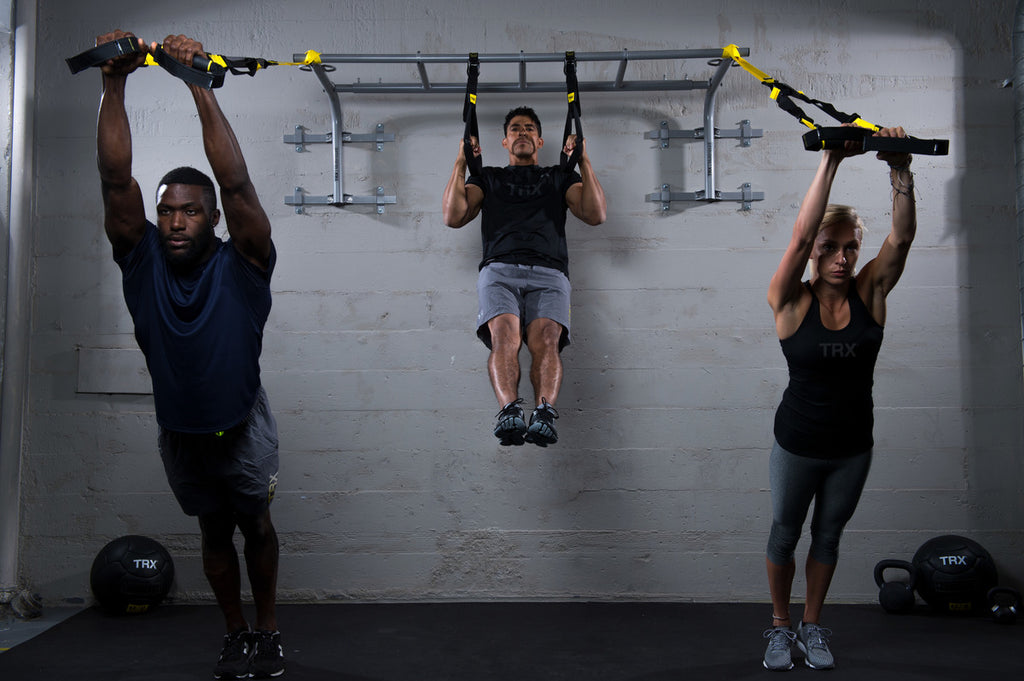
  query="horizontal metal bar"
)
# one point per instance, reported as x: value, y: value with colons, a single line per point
x: 511, y: 58
x: 460, y: 88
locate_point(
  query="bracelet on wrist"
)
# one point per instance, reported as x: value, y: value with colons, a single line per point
x: 905, y: 166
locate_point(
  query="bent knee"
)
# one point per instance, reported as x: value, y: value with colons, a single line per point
x: 505, y: 329
x: 544, y: 332
x: 782, y: 541
x: 825, y: 547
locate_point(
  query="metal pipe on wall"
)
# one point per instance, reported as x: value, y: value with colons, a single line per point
x: 1018, y: 126
x: 19, y: 284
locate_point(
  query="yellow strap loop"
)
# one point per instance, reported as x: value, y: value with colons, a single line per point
x: 312, y: 57
x: 865, y: 124
x: 733, y: 52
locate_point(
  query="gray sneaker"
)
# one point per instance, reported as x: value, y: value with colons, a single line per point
x: 812, y: 641
x: 778, y: 657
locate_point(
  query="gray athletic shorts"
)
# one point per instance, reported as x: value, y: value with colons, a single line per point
x: 236, y: 470
x: 528, y: 291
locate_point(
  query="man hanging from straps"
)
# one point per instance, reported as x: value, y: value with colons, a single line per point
x: 523, y: 284
x: 199, y: 305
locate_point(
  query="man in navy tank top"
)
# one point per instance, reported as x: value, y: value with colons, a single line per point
x: 523, y: 283
x: 199, y: 305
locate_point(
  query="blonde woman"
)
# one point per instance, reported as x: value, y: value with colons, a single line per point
x: 830, y: 328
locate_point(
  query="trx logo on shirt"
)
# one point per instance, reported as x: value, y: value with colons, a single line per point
x: 838, y: 349
x: 524, y: 191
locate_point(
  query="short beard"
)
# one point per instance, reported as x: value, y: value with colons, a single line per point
x: 525, y: 154
x: 191, y: 257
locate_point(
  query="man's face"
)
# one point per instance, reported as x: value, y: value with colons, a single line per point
x: 522, y: 140
x: 185, y: 220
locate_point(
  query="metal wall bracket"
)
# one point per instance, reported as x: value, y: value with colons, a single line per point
x: 299, y: 199
x: 744, y: 133
x: 745, y: 195
x: 666, y: 196
x: 337, y: 138
x: 301, y: 138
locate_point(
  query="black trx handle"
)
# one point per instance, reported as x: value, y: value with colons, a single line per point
x: 473, y: 162
x: 834, y: 138
x: 204, y: 72
x: 101, y: 53
x: 572, y: 89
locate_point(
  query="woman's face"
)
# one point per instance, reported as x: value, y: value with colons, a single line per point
x: 835, y: 253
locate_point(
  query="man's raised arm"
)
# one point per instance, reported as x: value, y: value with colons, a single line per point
x: 124, y: 211
x: 247, y: 222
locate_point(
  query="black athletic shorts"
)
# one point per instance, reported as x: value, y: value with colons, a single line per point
x: 234, y: 470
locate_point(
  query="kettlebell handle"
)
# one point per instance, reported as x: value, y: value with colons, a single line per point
x: 1004, y: 602
x: 894, y: 563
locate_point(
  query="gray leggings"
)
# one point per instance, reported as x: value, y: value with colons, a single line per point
x: 834, y: 485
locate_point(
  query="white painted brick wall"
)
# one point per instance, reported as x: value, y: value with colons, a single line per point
x: 391, y: 485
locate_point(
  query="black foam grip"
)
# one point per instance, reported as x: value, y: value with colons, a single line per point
x: 190, y: 74
x: 834, y: 138
x: 98, y: 55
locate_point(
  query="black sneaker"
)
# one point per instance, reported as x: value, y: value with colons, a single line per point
x: 235, y: 656
x: 542, y: 425
x: 268, y: 656
x: 511, y: 426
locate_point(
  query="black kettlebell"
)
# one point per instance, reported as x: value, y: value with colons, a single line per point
x: 896, y: 597
x: 1004, y: 602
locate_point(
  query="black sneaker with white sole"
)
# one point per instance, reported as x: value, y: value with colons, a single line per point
x: 542, y: 425
x: 511, y: 426
x: 235, y: 656
x: 268, y: 655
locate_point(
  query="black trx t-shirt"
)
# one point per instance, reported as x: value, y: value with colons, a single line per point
x: 826, y: 412
x: 523, y: 215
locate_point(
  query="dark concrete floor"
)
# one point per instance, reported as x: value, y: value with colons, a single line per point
x: 520, y: 642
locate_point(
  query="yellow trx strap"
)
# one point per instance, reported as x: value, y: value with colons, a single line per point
x: 821, y: 137
x: 783, y: 95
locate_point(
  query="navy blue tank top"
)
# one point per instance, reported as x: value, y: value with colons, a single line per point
x: 201, y: 333
x: 826, y: 411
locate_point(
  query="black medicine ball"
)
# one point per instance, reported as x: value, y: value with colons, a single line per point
x: 954, y: 574
x: 131, y: 574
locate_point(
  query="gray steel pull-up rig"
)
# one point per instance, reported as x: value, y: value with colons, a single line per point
x: 324, y: 69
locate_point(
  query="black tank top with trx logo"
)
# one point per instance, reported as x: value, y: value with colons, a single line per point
x: 826, y: 411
